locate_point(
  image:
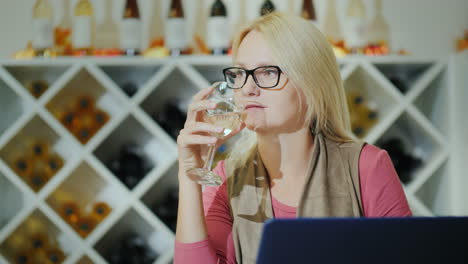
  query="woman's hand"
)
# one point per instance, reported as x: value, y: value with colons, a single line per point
x: 195, y: 137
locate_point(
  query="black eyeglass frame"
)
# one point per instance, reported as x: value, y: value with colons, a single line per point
x: 251, y: 72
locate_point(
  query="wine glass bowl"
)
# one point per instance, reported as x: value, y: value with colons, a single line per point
x: 226, y: 114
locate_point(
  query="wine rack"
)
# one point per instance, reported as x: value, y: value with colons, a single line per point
x: 414, y: 99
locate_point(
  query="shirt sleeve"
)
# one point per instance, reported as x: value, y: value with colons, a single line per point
x: 381, y: 190
x: 219, y: 246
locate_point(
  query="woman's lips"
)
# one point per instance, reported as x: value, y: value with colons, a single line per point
x: 249, y: 106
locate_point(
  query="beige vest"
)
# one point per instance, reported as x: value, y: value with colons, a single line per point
x: 331, y: 190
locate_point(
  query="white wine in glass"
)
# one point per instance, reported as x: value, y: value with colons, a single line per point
x: 227, y: 115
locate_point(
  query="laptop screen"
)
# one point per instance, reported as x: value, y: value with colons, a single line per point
x: 365, y: 240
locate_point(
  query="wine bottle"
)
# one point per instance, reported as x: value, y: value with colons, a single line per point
x: 39, y: 149
x: 107, y: 33
x: 131, y: 248
x: 37, y: 180
x: 308, y: 11
x: 37, y: 87
x: 63, y: 31
x: 22, y: 166
x: 130, y: 166
x: 24, y: 257
x: 355, y: 24
x: 70, y: 212
x: 403, y: 162
x: 100, y: 118
x: 218, y: 29
x: 166, y: 209
x: 84, y: 103
x: 171, y: 118
x: 331, y: 25
x: 83, y: 28
x: 100, y: 211
x: 130, y: 37
x: 157, y: 22
x: 54, y: 255
x: 85, y: 225
x: 43, y: 37
x: 379, y: 30
x: 39, y: 241
x: 130, y: 88
x: 267, y: 7
x: 54, y: 163
x: 175, y: 31
x: 67, y: 118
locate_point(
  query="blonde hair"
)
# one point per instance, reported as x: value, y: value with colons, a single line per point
x: 305, y: 56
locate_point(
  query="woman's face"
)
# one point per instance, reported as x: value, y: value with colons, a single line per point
x: 274, y: 110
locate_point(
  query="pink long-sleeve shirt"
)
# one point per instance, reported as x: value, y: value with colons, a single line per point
x: 381, y: 194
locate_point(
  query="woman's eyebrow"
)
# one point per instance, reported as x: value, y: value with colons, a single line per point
x: 240, y: 64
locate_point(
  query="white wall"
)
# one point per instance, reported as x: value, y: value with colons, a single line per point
x: 424, y: 27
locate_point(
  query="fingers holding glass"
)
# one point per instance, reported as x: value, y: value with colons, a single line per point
x: 225, y: 114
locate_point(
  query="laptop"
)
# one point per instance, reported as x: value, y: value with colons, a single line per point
x: 409, y: 240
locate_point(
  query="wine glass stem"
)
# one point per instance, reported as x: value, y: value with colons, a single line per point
x: 209, y: 161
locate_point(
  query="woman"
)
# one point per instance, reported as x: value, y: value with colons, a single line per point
x: 296, y: 157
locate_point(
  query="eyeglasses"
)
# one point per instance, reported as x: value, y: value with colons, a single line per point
x: 264, y: 76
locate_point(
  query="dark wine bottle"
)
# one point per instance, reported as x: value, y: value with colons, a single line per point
x: 166, y: 209
x: 130, y: 166
x: 404, y: 163
x: 130, y: 88
x: 267, y: 7
x: 132, y: 249
x: 38, y: 87
x: 308, y: 10
x: 171, y: 118
x: 218, y: 29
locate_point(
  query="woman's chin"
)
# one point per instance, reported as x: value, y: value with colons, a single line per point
x: 256, y: 127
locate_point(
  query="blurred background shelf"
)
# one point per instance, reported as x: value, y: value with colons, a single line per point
x: 129, y: 163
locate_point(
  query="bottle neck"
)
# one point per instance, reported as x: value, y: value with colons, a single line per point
x: 378, y: 8
x: 308, y: 10
x: 131, y: 9
x: 176, y: 10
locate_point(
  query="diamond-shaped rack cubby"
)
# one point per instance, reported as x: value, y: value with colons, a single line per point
x: 435, y: 192
x: 12, y: 107
x: 131, y: 152
x: 413, y: 150
x: 134, y: 240
x: 37, y: 240
x: 372, y: 106
x: 12, y: 200
x: 162, y: 198
x: 85, y: 199
x: 37, y: 153
x: 403, y: 75
x: 37, y: 79
x: 130, y: 78
x: 433, y: 102
x: 167, y: 103
x: 84, y: 106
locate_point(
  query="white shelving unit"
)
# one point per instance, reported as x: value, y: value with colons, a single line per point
x: 424, y: 116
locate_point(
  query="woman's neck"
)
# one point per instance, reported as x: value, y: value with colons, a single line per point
x: 286, y: 156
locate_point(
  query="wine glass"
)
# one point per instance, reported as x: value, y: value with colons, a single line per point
x: 227, y: 115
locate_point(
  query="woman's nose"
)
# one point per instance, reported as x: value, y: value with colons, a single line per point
x: 250, y: 87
